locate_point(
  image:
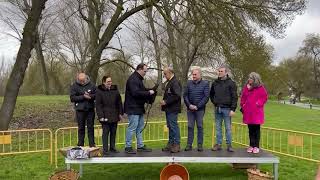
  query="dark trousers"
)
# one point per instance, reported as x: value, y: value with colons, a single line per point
x: 173, y: 126
x: 85, y: 118
x: 254, y: 134
x: 195, y: 117
x: 109, y: 128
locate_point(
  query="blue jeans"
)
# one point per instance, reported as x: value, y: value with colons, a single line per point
x: 220, y: 115
x: 136, y: 124
x: 195, y: 116
x: 174, y: 131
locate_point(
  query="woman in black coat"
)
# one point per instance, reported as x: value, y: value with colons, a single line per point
x: 109, y: 111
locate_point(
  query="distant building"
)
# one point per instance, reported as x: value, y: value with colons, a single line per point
x: 208, y: 73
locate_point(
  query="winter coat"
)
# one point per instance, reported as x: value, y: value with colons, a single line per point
x: 172, y: 96
x: 136, y: 95
x: 252, y: 104
x: 108, y: 103
x: 77, y: 91
x: 223, y: 93
x: 196, y: 93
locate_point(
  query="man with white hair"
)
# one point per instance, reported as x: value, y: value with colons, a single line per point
x: 82, y: 94
x: 171, y: 104
x: 223, y: 95
x: 196, y: 96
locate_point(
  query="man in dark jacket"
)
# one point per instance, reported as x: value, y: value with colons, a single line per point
x: 82, y: 94
x: 135, y: 98
x: 224, y: 96
x: 109, y: 111
x: 171, y: 104
x: 196, y: 96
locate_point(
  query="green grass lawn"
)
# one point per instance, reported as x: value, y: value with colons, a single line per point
x: 36, y: 166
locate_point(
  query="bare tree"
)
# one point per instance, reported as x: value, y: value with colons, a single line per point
x: 71, y: 41
x: 15, y: 14
x: 155, y: 42
x: 21, y: 64
x: 5, y: 69
x: 104, y: 19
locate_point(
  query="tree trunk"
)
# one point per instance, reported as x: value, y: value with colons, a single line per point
x: 299, y: 96
x: 156, y: 46
x: 172, y: 44
x: 21, y: 64
x: 40, y: 58
x: 93, y: 68
x: 97, y: 45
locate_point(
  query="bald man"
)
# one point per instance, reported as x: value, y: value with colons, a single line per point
x: 171, y: 105
x: 82, y: 94
x: 196, y: 96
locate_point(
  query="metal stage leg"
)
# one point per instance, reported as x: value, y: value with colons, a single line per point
x: 68, y: 167
x: 275, y: 171
x: 81, y: 170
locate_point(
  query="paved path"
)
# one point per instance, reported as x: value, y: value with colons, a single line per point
x: 302, y: 105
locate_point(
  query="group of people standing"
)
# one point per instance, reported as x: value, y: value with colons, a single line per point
x: 223, y: 94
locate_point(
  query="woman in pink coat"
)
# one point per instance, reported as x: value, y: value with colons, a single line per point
x: 253, y: 98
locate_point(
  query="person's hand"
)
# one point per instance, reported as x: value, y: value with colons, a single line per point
x: 121, y: 117
x: 151, y: 92
x: 162, y: 103
x: 232, y: 113
x: 125, y: 115
x: 193, y: 107
x: 87, y: 96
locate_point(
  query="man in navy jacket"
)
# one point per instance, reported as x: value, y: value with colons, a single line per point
x: 196, y: 96
x: 135, y: 98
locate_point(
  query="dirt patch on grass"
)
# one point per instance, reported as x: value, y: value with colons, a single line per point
x: 44, y: 117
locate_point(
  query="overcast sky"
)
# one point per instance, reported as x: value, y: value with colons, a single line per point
x: 309, y: 22
x: 286, y: 47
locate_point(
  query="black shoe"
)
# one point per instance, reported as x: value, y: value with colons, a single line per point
x: 188, y: 148
x: 229, y: 148
x: 105, y: 153
x: 80, y: 145
x: 175, y: 148
x: 129, y: 150
x: 114, y: 150
x: 217, y: 147
x: 200, y: 148
x: 144, y: 149
x: 92, y: 145
x: 167, y: 148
